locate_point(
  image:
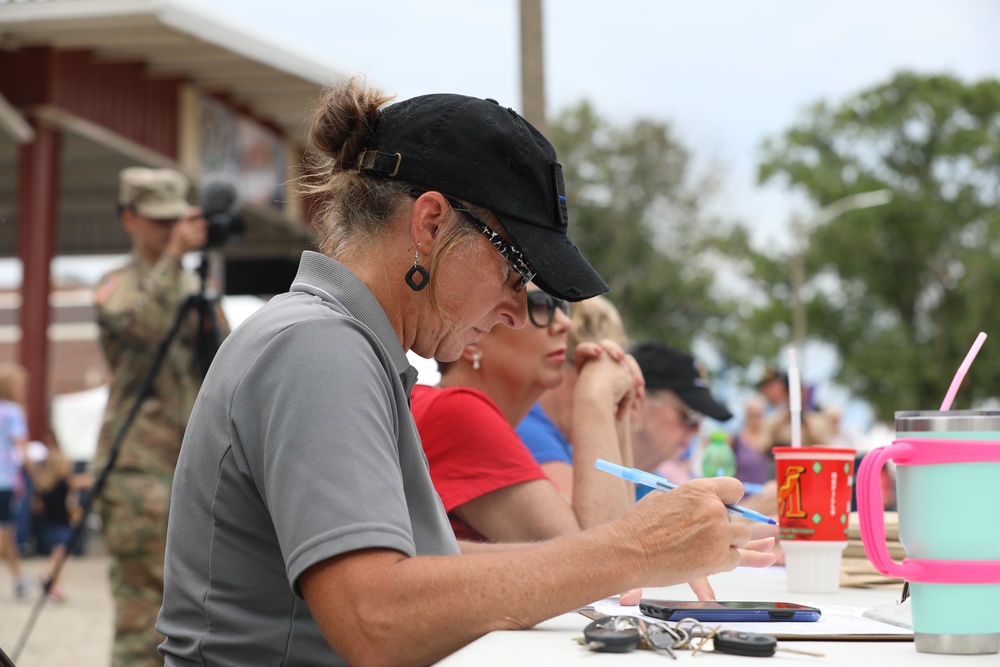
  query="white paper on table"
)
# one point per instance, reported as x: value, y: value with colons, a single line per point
x: 835, y: 622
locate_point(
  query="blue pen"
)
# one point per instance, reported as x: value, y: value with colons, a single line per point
x: 661, y: 484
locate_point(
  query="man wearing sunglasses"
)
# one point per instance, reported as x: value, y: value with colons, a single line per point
x: 677, y: 399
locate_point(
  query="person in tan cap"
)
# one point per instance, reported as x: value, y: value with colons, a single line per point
x: 153, y: 207
x: 817, y: 428
x: 136, y: 306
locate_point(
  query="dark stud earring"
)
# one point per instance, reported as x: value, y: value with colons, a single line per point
x: 415, y: 271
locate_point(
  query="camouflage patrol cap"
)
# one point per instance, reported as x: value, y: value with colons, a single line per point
x: 158, y: 194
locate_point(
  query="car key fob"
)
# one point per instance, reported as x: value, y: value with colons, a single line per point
x: 745, y: 643
x: 610, y: 640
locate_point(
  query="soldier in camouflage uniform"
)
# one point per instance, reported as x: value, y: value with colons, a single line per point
x: 136, y: 306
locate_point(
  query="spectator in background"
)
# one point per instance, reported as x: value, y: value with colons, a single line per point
x: 55, y: 485
x: 751, y: 464
x: 491, y: 486
x: 677, y: 398
x: 547, y: 430
x: 773, y: 386
x: 136, y: 307
x: 816, y: 426
x: 13, y: 438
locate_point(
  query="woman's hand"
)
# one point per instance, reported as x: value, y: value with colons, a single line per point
x: 702, y: 589
x: 630, y: 598
x: 688, y: 534
x: 626, y: 384
x: 758, y: 552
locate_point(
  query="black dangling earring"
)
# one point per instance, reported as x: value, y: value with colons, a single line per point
x: 417, y: 270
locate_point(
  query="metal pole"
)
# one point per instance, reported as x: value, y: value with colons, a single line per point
x: 798, y: 280
x: 532, y: 65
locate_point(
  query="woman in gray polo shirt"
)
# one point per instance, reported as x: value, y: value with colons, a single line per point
x: 304, y: 528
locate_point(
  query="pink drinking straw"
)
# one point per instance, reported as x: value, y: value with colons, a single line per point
x: 962, y: 370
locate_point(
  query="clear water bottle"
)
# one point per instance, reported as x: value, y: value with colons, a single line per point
x: 718, y: 460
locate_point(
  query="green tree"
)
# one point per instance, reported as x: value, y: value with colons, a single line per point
x: 902, y: 290
x: 638, y: 212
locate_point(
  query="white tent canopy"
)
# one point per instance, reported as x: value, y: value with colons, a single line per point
x: 76, y: 420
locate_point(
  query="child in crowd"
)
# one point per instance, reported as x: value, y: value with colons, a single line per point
x: 55, y: 487
x: 13, y: 438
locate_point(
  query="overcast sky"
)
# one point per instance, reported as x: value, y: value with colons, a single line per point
x: 726, y: 73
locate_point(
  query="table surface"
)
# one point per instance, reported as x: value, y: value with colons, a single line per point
x: 551, y: 642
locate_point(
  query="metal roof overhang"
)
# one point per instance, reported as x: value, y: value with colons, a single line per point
x: 173, y: 40
x: 270, y: 82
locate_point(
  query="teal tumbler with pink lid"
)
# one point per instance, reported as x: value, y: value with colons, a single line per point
x: 948, y: 501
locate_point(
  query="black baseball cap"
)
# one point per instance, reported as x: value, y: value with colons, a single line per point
x: 487, y: 155
x: 666, y: 368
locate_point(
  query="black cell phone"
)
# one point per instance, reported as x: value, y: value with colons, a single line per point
x: 675, y: 610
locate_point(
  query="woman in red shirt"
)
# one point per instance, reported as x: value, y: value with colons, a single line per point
x: 489, y: 482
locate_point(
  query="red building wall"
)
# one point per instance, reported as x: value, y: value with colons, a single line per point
x: 114, y: 95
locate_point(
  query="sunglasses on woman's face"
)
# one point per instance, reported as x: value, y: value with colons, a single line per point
x: 542, y: 308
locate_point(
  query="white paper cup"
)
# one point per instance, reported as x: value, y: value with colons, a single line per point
x: 813, y: 566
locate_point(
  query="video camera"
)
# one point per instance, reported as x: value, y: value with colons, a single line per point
x: 220, y: 204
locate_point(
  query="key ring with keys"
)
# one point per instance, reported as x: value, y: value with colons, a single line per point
x: 622, y: 634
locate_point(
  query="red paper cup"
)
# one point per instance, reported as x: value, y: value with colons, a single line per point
x: 814, y: 492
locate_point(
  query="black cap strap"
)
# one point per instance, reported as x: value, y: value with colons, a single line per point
x: 383, y: 164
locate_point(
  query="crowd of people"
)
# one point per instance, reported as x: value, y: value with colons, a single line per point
x: 40, y: 488
x: 309, y: 462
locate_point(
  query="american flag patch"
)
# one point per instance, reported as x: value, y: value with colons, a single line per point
x: 106, y: 289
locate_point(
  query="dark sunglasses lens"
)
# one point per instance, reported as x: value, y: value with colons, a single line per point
x: 565, y: 307
x: 540, y: 308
